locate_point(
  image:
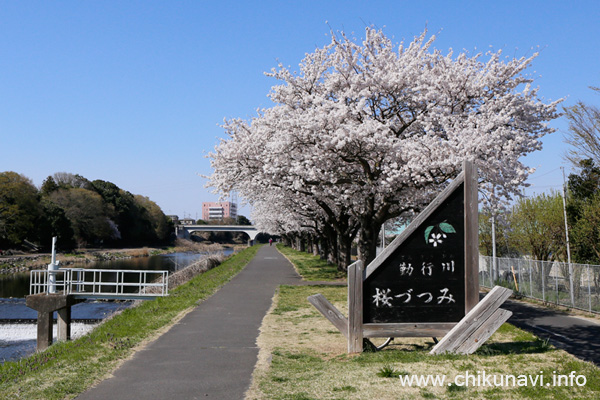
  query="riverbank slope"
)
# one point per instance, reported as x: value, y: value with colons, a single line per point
x: 66, y: 369
x: 28, y: 261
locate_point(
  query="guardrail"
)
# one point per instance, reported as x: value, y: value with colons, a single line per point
x: 100, y: 283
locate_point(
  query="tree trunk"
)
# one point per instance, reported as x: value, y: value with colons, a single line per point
x: 323, y: 248
x: 332, y: 254
x: 315, y: 243
x: 301, y: 243
x: 344, y: 252
x: 367, y: 242
x: 309, y: 244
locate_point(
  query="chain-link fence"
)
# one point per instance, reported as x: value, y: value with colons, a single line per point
x: 574, y: 285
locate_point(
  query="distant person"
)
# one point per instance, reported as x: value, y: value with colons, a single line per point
x: 270, y: 241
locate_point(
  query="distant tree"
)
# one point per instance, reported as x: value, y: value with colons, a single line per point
x: 222, y: 221
x: 19, y: 209
x: 78, y: 212
x: 139, y: 220
x: 48, y: 186
x: 126, y: 214
x: 582, y: 209
x: 585, y: 232
x: 88, y: 216
x: 584, y: 132
x: 162, y: 225
x: 538, y: 230
x: 538, y: 227
x: 587, y: 183
x: 68, y: 180
x: 242, y: 220
x: 503, y: 247
x: 55, y: 223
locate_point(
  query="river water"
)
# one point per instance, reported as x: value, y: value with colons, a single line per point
x: 17, y: 321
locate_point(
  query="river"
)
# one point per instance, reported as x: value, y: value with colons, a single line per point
x: 17, y: 321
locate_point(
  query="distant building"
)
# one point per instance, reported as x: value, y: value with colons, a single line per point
x: 219, y: 210
x: 187, y: 221
x: 174, y: 218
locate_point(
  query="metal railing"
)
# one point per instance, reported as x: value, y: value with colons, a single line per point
x: 100, y: 283
x: 549, y: 281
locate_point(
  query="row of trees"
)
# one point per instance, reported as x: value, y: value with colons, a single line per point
x: 370, y: 131
x: 80, y: 212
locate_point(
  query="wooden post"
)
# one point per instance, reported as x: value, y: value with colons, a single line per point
x: 329, y: 311
x: 483, y: 333
x: 477, y: 326
x: 355, y: 307
x: 471, y: 236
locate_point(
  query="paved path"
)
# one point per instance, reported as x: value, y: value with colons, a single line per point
x: 575, y: 335
x: 211, y: 352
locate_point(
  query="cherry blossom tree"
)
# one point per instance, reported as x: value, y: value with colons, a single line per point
x: 328, y: 229
x: 372, y: 130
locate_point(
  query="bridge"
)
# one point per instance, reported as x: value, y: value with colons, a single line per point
x: 185, y: 231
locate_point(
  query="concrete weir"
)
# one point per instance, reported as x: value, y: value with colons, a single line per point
x: 45, y: 304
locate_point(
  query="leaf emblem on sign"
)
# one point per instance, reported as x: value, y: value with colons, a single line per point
x: 436, y: 238
x: 446, y: 228
x: 428, y: 232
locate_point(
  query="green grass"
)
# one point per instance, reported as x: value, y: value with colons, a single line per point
x: 307, y: 360
x: 68, y: 368
x: 310, y: 267
x: 291, y: 299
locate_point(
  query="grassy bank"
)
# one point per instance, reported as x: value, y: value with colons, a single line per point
x: 304, y: 357
x: 311, y: 267
x: 69, y: 368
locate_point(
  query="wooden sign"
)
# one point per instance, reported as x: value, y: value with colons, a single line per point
x: 422, y: 278
x: 426, y: 281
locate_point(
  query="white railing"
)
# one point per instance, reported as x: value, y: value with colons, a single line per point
x: 101, y: 283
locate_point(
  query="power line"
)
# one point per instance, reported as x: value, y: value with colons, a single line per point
x: 547, y: 173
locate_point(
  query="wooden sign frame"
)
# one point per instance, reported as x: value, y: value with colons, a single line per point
x: 357, y: 329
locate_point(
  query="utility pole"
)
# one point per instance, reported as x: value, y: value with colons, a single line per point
x: 567, y: 237
x: 495, y: 272
x: 494, y: 259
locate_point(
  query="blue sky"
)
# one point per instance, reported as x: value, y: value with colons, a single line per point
x: 133, y: 92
